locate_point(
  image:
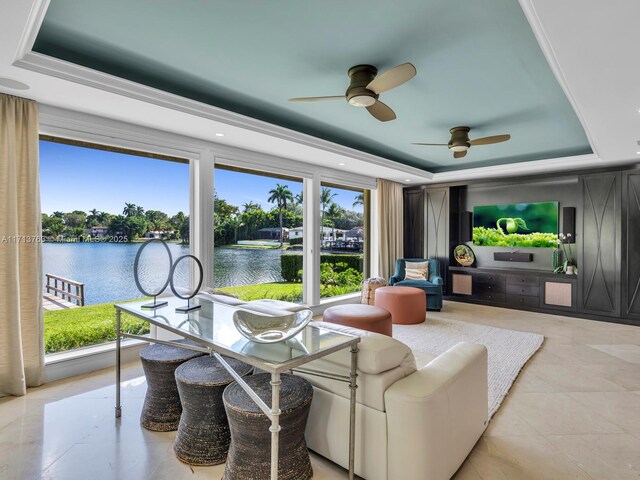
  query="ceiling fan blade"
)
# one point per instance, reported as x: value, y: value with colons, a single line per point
x: 392, y: 78
x: 316, y: 99
x: 460, y: 154
x: 431, y: 144
x: 382, y: 112
x: 490, y: 140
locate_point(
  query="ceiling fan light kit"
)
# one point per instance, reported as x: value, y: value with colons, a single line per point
x: 460, y: 143
x: 365, y: 88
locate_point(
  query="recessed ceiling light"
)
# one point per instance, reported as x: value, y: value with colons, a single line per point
x: 13, y: 84
x: 341, y: 164
x: 408, y: 180
x: 219, y: 134
x: 637, y: 153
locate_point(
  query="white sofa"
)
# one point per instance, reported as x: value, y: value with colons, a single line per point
x: 412, y: 423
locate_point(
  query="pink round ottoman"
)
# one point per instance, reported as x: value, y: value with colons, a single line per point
x: 364, y: 317
x: 408, y: 305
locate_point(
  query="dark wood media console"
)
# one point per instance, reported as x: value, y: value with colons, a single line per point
x: 511, y: 288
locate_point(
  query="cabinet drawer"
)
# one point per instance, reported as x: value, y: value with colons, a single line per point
x: 489, y: 287
x: 491, y: 297
x: 523, y: 279
x: 532, y: 290
x: 490, y: 278
x: 522, y: 300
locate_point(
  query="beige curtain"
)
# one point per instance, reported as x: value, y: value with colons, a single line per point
x: 21, y: 324
x: 391, y: 247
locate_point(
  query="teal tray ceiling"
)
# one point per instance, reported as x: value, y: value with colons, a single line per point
x: 478, y: 65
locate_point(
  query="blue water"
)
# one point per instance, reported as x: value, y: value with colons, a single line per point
x: 106, y: 269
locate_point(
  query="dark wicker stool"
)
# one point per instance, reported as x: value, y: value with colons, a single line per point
x: 161, y: 410
x: 203, y: 434
x: 250, y: 452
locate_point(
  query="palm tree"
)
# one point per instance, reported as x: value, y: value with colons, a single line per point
x: 334, y: 211
x: 358, y: 200
x: 299, y: 198
x: 326, y: 196
x: 139, y: 212
x: 250, y: 206
x: 129, y: 209
x: 280, y: 195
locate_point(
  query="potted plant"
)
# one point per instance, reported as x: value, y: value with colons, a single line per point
x: 568, y: 266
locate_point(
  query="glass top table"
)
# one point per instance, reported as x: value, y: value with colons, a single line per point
x: 212, y: 327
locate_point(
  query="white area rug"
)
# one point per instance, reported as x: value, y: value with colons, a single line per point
x: 508, y: 350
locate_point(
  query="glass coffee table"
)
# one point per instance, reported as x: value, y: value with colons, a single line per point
x: 212, y: 327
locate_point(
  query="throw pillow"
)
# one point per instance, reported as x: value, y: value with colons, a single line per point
x: 416, y: 270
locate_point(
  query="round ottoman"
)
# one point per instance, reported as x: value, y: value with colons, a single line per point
x: 249, y: 455
x: 364, y: 317
x: 203, y: 434
x: 161, y: 410
x: 408, y: 305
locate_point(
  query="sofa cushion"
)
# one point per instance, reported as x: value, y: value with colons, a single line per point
x: 376, y: 353
x: 423, y: 284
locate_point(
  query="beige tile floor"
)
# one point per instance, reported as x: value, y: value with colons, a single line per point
x: 574, y: 413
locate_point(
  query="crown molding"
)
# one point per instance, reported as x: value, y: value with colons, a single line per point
x: 50, y: 66
x: 547, y: 50
x: 562, y: 164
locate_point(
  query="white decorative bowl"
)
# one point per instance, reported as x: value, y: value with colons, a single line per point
x: 262, y: 328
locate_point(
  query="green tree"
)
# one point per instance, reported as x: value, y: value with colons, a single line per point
x: 358, y: 200
x: 75, y: 219
x: 56, y: 228
x: 280, y: 195
x: 129, y: 209
x: 157, y: 220
x: 333, y: 213
x: 136, y: 227
x: 326, y: 197
x: 184, y: 230
x: 93, y: 218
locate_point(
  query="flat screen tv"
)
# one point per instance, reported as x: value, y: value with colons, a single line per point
x: 516, y: 225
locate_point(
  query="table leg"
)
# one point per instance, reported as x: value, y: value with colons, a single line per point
x: 118, y: 405
x: 275, y: 423
x: 353, y: 375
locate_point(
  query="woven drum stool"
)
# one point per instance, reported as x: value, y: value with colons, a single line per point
x: 407, y: 305
x: 364, y: 317
x: 369, y: 287
x: 250, y: 452
x: 161, y: 410
x: 203, y: 434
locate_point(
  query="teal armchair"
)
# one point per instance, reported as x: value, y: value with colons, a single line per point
x: 432, y: 287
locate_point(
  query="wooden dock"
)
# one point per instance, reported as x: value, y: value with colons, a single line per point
x: 58, y: 293
x: 51, y: 302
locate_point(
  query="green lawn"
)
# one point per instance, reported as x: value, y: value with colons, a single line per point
x: 84, y: 326
x: 289, y: 292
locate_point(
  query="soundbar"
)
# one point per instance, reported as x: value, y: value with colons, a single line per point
x: 513, y: 256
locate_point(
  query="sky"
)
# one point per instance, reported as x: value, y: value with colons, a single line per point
x: 77, y: 178
x: 239, y: 188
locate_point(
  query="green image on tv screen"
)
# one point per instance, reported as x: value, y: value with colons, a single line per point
x: 516, y: 225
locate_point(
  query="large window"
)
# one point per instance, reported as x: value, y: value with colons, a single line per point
x: 342, y: 238
x: 98, y: 207
x: 258, y: 235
